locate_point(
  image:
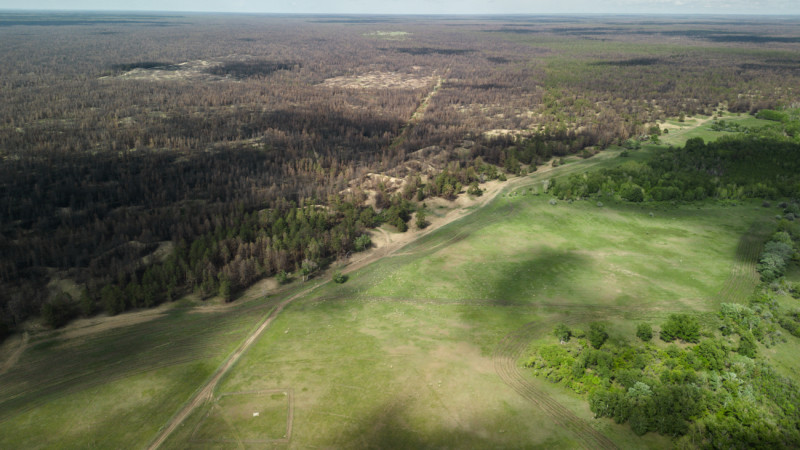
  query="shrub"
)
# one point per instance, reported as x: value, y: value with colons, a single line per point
x: 632, y: 194
x: 644, y: 332
x: 474, y: 189
x: 597, y: 335
x: 339, y: 277
x: 562, y: 332
x: 362, y: 242
x: 420, y: 221
x: 282, y: 277
x: 681, y: 326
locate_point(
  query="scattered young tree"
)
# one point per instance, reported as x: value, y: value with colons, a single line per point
x: 597, y: 334
x: 420, y: 221
x: 681, y: 326
x: 644, y: 332
x: 562, y: 332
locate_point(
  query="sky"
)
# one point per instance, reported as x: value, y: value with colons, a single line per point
x: 773, y: 7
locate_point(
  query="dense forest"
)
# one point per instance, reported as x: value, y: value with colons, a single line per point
x: 147, y: 156
x: 761, y: 162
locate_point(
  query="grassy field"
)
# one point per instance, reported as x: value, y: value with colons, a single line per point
x: 116, y: 387
x: 405, y: 354
x: 417, y: 350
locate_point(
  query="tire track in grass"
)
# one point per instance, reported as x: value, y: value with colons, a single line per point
x: 744, y: 276
x: 505, y: 357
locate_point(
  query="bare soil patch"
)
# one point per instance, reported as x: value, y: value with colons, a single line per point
x: 380, y: 80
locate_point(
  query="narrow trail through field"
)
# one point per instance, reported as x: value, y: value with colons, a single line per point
x: 9, y: 363
x: 206, y: 392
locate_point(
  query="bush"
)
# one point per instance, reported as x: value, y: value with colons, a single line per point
x: 474, y: 189
x: 562, y: 332
x: 420, y: 221
x: 597, y: 335
x: 362, y: 242
x: 644, y: 332
x: 282, y: 277
x: 681, y: 326
x: 747, y: 345
x: 632, y: 194
x: 339, y: 277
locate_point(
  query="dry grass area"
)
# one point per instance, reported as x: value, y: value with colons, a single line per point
x: 380, y: 80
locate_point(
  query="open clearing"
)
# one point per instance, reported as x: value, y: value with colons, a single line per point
x: 419, y: 349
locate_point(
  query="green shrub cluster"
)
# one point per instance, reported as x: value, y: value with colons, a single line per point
x: 777, y: 253
x: 708, y: 395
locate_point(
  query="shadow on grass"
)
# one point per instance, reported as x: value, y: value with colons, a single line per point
x: 387, y: 427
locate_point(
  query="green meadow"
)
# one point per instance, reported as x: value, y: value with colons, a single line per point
x: 420, y: 349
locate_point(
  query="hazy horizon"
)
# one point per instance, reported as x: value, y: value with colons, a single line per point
x: 421, y: 7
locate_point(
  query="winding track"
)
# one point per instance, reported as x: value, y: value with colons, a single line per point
x: 505, y: 357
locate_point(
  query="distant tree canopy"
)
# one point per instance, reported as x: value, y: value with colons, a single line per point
x: 733, y: 167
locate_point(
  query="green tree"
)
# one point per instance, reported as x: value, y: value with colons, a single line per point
x: 747, y: 345
x: 307, y: 268
x: 644, y: 332
x: 681, y: 326
x: 282, y: 277
x: 225, y: 290
x: 474, y: 189
x: 86, y: 303
x: 420, y: 221
x: 112, y: 299
x: 562, y: 332
x: 362, y: 243
x: 338, y: 277
x: 597, y: 334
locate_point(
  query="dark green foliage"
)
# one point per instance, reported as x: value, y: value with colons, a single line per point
x: 733, y: 167
x: 677, y: 392
x: 59, y: 310
x: 420, y: 221
x: 474, y: 189
x: 632, y: 193
x: 112, y: 299
x: 225, y: 287
x: 282, y: 277
x: 747, y: 345
x: 711, y: 354
x: 562, y: 332
x: 644, y: 332
x: 362, y: 243
x: 681, y: 326
x: 597, y: 334
x: 338, y: 277
x: 769, y: 114
x: 775, y: 256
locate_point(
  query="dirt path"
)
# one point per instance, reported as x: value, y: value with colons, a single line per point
x: 12, y: 360
x: 206, y: 392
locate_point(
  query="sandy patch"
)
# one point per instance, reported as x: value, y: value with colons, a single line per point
x: 380, y: 80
